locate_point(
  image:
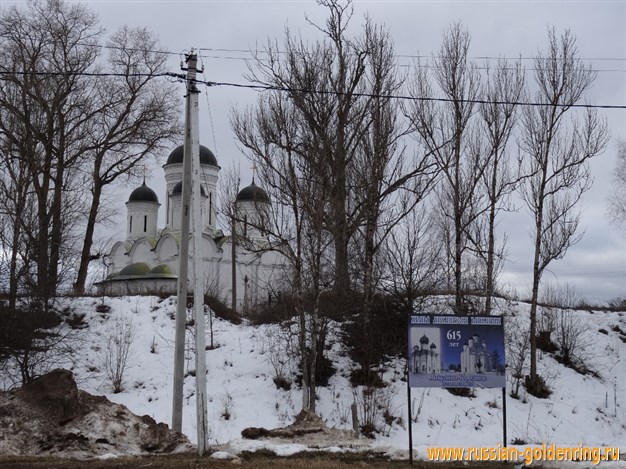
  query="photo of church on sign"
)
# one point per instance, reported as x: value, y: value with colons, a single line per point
x: 425, y: 356
x: 476, y: 358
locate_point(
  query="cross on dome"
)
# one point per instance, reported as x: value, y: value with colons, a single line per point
x: 253, y: 168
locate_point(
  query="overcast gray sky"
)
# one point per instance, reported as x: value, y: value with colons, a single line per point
x: 596, y: 266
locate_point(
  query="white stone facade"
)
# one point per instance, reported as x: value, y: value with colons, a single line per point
x: 147, y: 260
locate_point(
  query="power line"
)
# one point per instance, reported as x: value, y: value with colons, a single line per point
x: 251, y: 53
x: 415, y: 56
x: 253, y: 57
x: 88, y: 74
x: 261, y: 87
x: 407, y: 98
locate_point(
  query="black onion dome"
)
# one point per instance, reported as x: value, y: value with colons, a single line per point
x: 143, y: 194
x: 178, y: 189
x: 253, y: 193
x: 206, y: 156
x: 424, y: 340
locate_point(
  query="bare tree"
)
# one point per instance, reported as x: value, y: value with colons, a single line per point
x: 45, y: 49
x: 502, y: 91
x: 130, y: 119
x: 69, y: 128
x: 18, y: 221
x: 557, y: 154
x: 412, y: 262
x: 449, y: 131
x: 328, y: 145
x: 617, y: 201
x: 342, y: 123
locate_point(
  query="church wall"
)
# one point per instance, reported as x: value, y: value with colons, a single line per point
x: 209, y: 177
x: 142, y: 219
x: 118, y: 259
x: 263, y: 269
x: 167, y: 252
x: 142, y: 252
x: 251, y: 215
x: 138, y: 286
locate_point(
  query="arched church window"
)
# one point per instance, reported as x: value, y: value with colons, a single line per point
x: 210, y: 206
x: 145, y: 223
x: 130, y: 225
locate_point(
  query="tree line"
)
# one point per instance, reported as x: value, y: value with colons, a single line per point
x: 376, y: 195
x: 372, y: 195
x: 68, y: 132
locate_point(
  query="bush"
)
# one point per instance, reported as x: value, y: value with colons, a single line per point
x: 617, y: 304
x: 384, y: 335
x: 537, y: 387
x: 221, y: 310
x: 324, y: 370
x: 275, y: 311
x: 544, y: 342
x: 374, y: 410
x: 117, y: 350
x: 573, y: 342
x: 462, y: 392
x: 517, y: 341
x: 32, y: 339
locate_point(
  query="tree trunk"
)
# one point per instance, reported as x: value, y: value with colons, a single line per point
x: 533, y: 301
x: 491, y: 241
x: 56, y: 233
x: 340, y: 232
x: 85, y: 256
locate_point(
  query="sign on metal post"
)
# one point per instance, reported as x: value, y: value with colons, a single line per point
x: 448, y: 351
x: 456, y: 351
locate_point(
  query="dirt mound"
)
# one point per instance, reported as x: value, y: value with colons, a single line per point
x: 308, y: 427
x: 51, y: 416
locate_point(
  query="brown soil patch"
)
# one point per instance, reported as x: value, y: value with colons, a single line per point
x: 51, y: 416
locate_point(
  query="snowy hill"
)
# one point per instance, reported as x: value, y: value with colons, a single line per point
x: 583, y: 409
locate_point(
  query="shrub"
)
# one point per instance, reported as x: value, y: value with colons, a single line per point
x: 374, y: 410
x: 537, y: 387
x: 383, y: 335
x: 274, y: 311
x: 462, y: 392
x: 116, y: 351
x: 517, y: 341
x: 32, y: 339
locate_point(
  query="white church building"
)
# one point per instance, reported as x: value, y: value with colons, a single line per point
x: 146, y: 262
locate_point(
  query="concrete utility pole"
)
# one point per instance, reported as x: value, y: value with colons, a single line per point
x: 191, y: 199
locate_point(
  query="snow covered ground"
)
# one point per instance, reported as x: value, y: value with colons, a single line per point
x: 241, y: 393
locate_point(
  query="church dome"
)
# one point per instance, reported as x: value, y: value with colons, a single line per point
x: 424, y: 340
x: 135, y: 270
x: 206, y: 156
x: 178, y: 189
x: 143, y: 194
x: 252, y: 193
x: 162, y: 270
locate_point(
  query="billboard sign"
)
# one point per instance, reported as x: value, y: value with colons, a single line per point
x: 448, y: 351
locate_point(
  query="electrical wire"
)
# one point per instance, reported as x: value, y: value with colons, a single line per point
x: 398, y: 56
x: 261, y: 87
